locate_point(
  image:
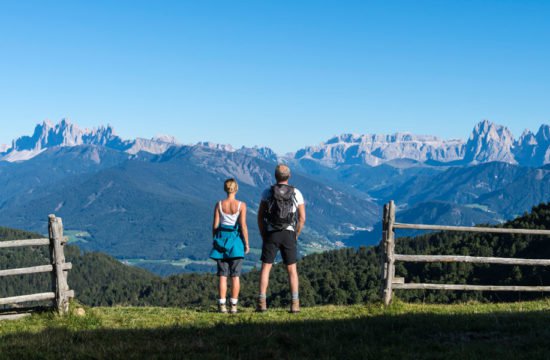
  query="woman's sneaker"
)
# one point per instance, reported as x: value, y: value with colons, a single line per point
x: 233, y: 309
x: 295, y: 306
x: 222, y: 308
x: 262, y: 305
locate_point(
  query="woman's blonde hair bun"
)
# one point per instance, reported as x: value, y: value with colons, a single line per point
x: 230, y: 186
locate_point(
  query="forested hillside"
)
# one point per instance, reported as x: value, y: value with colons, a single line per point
x: 344, y: 276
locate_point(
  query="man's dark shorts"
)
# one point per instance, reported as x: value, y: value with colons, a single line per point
x: 285, y: 241
x: 230, y: 267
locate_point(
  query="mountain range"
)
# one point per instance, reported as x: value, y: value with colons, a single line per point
x: 488, y: 142
x: 149, y: 202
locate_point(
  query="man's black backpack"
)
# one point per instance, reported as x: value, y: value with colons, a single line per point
x: 280, y: 205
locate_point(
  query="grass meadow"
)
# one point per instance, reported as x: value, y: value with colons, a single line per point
x: 406, y: 331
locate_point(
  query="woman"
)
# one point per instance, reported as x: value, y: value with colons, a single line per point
x: 230, y: 243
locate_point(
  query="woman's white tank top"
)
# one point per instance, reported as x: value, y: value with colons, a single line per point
x: 229, y: 219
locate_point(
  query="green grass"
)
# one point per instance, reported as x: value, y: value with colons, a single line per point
x: 406, y: 331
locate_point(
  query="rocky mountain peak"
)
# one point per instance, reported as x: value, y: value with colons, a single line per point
x: 65, y: 133
x: 543, y: 135
x: 489, y: 142
x: 215, y: 146
x: 169, y: 139
x: 526, y: 138
x: 263, y: 153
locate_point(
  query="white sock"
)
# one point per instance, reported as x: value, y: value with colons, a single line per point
x: 234, y: 301
x: 221, y: 301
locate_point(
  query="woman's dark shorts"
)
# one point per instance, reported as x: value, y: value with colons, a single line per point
x: 230, y: 267
x: 285, y: 241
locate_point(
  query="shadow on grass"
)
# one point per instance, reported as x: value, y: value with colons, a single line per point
x: 410, y: 336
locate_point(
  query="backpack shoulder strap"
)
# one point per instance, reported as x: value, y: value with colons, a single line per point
x: 271, y: 192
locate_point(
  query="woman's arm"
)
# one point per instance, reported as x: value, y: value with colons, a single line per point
x: 216, y: 222
x: 244, y: 228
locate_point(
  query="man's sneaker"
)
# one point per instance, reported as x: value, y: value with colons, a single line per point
x: 295, y: 306
x: 262, y: 305
x: 233, y: 309
x: 222, y: 308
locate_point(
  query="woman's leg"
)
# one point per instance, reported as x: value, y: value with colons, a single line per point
x: 235, y: 287
x: 223, y: 287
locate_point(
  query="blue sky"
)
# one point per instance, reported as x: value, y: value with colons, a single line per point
x: 279, y: 73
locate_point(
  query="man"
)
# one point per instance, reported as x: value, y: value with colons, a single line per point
x: 281, y: 218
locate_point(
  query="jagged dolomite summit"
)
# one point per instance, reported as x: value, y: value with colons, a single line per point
x: 67, y: 134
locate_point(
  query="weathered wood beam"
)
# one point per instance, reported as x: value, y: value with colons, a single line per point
x: 57, y: 255
x: 472, y: 229
x: 470, y: 287
x: 33, y: 270
x: 472, y: 259
x: 390, y: 249
x: 14, y: 316
x: 27, y: 298
x: 22, y: 243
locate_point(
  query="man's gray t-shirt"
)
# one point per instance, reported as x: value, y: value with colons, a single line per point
x: 298, y: 200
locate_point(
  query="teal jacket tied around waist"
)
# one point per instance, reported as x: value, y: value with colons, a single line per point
x: 228, y: 243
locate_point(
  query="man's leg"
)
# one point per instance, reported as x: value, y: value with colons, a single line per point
x: 293, y: 278
x: 264, y: 277
x: 294, y: 285
x: 264, y: 282
x: 289, y: 252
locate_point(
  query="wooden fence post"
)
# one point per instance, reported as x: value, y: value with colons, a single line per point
x: 57, y: 257
x: 389, y: 252
x: 383, y: 252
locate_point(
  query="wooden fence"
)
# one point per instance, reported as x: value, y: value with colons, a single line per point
x: 58, y: 268
x: 391, y: 282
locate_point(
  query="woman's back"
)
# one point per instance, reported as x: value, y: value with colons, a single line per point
x: 229, y: 210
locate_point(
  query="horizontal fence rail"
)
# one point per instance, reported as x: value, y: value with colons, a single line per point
x: 470, y: 287
x: 389, y: 257
x: 58, y: 269
x: 33, y: 270
x: 474, y: 229
x: 22, y: 243
x: 27, y: 298
x: 471, y: 259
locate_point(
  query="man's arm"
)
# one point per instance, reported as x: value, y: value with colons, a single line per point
x: 301, y: 219
x: 261, y: 225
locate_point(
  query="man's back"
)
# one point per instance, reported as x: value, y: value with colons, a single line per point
x: 270, y: 198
